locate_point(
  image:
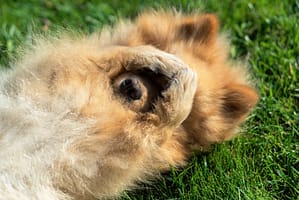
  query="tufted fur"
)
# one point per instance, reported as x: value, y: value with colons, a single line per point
x: 67, y: 132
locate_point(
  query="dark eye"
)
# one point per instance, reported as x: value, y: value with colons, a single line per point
x: 130, y: 88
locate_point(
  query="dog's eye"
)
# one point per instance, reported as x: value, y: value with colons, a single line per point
x: 130, y: 88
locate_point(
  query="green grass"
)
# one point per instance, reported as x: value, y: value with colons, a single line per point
x: 264, y: 163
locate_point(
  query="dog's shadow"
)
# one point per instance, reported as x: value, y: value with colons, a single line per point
x: 172, y: 185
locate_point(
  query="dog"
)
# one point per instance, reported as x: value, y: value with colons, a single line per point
x: 86, y: 117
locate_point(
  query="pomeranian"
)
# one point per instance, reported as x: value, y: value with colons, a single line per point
x: 86, y: 117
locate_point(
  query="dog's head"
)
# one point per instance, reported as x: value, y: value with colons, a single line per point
x: 224, y: 96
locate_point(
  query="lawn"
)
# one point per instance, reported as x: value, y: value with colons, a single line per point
x: 264, y: 162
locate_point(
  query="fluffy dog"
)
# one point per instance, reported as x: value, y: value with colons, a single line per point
x: 86, y: 117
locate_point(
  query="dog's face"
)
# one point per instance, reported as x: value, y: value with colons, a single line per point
x: 224, y: 97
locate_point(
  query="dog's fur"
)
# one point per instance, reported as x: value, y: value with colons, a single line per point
x: 87, y: 117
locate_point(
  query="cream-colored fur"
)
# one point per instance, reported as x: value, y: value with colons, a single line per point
x: 66, y: 133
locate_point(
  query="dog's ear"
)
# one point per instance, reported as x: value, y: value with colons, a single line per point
x: 221, y: 122
x: 160, y: 30
x: 237, y: 102
x: 201, y: 28
x: 153, y: 29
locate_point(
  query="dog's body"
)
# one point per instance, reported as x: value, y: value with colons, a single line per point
x: 88, y: 117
